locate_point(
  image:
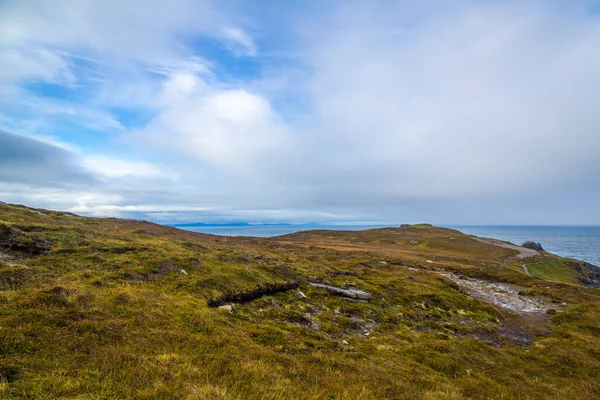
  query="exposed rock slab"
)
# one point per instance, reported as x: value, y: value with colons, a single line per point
x: 355, y: 294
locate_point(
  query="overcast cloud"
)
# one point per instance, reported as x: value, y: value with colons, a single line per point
x: 449, y: 112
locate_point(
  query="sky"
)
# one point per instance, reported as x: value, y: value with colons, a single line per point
x: 441, y: 111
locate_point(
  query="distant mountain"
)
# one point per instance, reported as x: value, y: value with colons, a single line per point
x: 194, y: 224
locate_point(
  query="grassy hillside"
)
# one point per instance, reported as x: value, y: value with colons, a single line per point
x: 110, y: 309
x: 566, y: 270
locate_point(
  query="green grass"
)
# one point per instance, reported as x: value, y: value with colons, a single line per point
x: 106, y: 313
x: 557, y: 270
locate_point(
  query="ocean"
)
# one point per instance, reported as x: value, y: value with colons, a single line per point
x: 579, y: 242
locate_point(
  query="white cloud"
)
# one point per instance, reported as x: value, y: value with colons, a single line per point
x: 142, y: 30
x: 239, y: 41
x: 109, y: 52
x: 110, y: 168
x: 468, y: 99
x: 461, y: 111
x: 231, y: 129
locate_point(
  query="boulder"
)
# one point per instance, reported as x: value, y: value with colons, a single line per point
x: 533, y: 246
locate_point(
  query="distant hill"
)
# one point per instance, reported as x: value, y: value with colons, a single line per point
x: 193, y: 224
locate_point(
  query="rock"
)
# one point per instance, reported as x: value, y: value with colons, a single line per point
x: 589, y: 273
x: 533, y: 246
x: 345, y: 343
x: 355, y: 294
x: 300, y: 295
x: 382, y: 262
x: 226, y: 307
x: 430, y: 262
x: 16, y: 240
x: 183, y: 272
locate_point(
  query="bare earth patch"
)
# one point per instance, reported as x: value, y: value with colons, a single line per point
x: 499, y: 294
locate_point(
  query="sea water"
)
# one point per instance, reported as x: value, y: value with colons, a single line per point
x: 579, y: 242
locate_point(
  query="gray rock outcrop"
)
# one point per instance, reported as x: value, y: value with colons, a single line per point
x: 533, y: 246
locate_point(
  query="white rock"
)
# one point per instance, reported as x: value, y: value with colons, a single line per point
x: 349, y: 293
x: 183, y: 272
x: 226, y: 307
x: 300, y: 295
x: 345, y: 343
x: 431, y: 262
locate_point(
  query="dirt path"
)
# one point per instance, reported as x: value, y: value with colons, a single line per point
x: 523, y: 251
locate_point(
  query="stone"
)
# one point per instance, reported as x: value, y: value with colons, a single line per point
x: 183, y: 272
x: 300, y: 295
x: 345, y: 342
x: 355, y: 294
x: 533, y: 246
x: 226, y: 307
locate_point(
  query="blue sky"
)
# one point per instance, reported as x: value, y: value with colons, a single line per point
x: 449, y: 112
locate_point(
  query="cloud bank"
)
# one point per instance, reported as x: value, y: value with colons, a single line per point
x: 448, y: 111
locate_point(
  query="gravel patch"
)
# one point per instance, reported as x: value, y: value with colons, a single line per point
x: 499, y: 294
